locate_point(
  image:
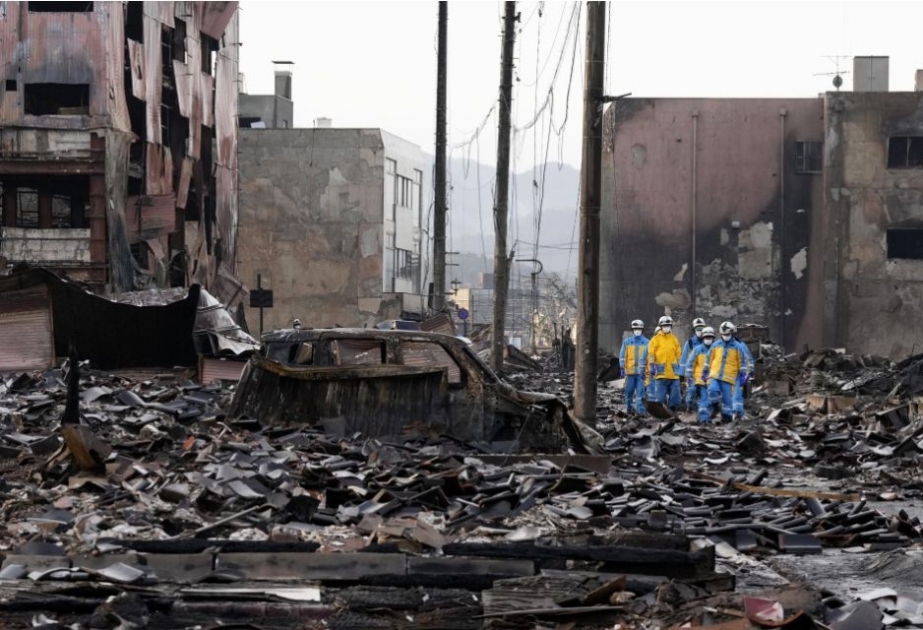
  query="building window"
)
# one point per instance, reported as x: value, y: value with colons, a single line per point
x: 405, y: 189
x: 809, y: 157
x: 10, y: 85
x: 905, y: 244
x: 390, y: 167
x: 905, y: 152
x: 57, y: 99
x: 60, y: 7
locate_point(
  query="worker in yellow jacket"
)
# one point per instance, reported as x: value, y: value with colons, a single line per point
x: 727, y: 369
x: 663, y: 354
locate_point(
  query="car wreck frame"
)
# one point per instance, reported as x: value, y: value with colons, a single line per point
x: 397, y: 383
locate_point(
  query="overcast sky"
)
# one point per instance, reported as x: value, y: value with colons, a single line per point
x: 373, y: 64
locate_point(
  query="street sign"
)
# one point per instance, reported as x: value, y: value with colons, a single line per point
x: 261, y: 298
x: 463, y: 314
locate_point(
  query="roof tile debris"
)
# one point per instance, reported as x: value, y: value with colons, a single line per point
x: 199, y: 518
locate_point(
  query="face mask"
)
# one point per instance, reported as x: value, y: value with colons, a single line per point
x: 637, y: 332
x: 726, y: 337
x: 698, y: 332
x: 667, y: 329
x: 708, y: 341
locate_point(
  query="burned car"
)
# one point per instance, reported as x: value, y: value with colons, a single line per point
x: 396, y: 383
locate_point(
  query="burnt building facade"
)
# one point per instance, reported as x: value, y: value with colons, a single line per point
x: 708, y: 208
x: 118, y: 142
x: 803, y: 215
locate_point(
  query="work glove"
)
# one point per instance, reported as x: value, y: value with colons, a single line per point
x: 742, y: 379
x: 653, y: 370
x: 623, y: 372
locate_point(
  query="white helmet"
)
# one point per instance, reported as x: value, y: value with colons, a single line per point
x: 666, y: 320
x: 637, y: 324
x: 698, y: 322
x: 708, y: 331
x: 727, y: 328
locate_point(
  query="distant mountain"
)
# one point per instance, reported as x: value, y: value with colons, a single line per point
x: 471, y: 225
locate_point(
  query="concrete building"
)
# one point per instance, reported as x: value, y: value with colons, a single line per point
x: 804, y: 215
x: 269, y: 111
x: 333, y: 222
x: 118, y: 142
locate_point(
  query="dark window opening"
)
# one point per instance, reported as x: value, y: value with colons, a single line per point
x: 179, y: 41
x: 809, y: 157
x: 60, y: 7
x: 27, y: 204
x: 134, y: 22
x: 209, y: 51
x: 905, y: 243
x: 57, y: 99
x: 246, y: 122
x: 10, y: 85
x: 905, y: 152
x: 139, y: 254
x: 358, y: 352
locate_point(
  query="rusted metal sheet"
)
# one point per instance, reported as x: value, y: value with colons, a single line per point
x: 401, y: 396
x: 207, y: 90
x: 150, y: 216
x: 163, y: 12
x: 216, y: 17
x: 136, y: 57
x: 226, y: 210
x: 182, y: 189
x: 114, y: 33
x: 183, y: 78
x: 153, y: 78
x: 226, y: 99
x: 26, y: 334
x: 228, y: 287
x: 440, y: 323
x: 213, y: 369
x: 159, y: 180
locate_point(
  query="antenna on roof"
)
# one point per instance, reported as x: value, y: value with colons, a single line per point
x: 837, y: 76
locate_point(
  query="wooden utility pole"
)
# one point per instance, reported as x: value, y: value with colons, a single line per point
x: 501, y: 211
x: 439, y: 219
x: 590, y: 193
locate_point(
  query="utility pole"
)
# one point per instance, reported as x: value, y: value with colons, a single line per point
x: 501, y: 212
x: 439, y: 219
x: 590, y: 195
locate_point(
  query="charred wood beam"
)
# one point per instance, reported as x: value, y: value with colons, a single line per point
x: 666, y: 562
x: 198, y: 545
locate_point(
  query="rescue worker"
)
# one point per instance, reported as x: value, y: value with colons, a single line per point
x: 696, y: 368
x: 633, y: 359
x: 698, y: 325
x: 650, y: 392
x: 740, y: 390
x: 726, y: 364
x: 663, y: 364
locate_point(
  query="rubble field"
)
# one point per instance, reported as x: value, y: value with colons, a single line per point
x: 155, y: 509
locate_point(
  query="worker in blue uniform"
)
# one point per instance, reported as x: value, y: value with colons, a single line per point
x: 696, y: 369
x: 633, y: 359
x: 726, y: 368
x: 698, y: 325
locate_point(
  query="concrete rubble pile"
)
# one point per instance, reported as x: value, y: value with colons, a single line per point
x: 195, y: 518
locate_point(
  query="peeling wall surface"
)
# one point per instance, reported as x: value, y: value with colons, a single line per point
x: 108, y: 119
x: 717, y: 177
x: 312, y: 225
x: 873, y: 302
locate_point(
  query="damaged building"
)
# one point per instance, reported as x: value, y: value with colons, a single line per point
x: 332, y: 221
x: 118, y: 143
x: 803, y: 215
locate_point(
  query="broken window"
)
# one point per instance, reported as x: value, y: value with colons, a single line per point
x: 905, y: 243
x: 429, y: 354
x: 358, y: 351
x: 10, y: 85
x: 905, y: 152
x: 60, y: 7
x: 809, y: 157
x: 57, y: 99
